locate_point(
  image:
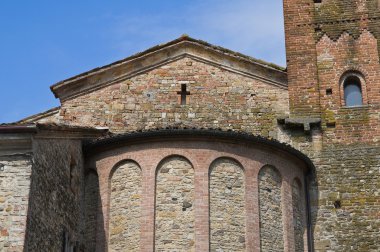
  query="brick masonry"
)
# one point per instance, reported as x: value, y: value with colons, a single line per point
x: 325, y: 42
x: 341, y: 38
x: 201, y: 155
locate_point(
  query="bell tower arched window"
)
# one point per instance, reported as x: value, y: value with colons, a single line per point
x: 353, y: 89
x: 353, y: 95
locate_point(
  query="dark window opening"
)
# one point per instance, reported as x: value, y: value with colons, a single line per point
x: 352, y: 91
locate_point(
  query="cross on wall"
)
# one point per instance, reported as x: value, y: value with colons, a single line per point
x: 184, y: 93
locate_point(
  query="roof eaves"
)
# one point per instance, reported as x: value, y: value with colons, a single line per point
x: 12, y: 128
x: 161, y: 46
x: 162, y: 133
x: 33, y: 118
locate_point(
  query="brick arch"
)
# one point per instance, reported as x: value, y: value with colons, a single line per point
x: 274, y: 168
x: 176, y: 154
x: 361, y: 75
x: 241, y: 166
x: 120, y: 163
x: 200, y: 148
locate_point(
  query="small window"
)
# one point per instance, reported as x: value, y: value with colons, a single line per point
x: 352, y: 91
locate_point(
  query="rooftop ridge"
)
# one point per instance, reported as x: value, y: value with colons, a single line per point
x: 183, y: 38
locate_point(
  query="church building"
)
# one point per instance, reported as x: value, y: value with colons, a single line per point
x: 189, y: 146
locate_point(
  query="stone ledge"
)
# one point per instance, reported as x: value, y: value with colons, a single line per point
x: 305, y: 123
x: 12, y: 144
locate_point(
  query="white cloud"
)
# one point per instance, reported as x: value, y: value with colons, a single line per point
x: 251, y: 27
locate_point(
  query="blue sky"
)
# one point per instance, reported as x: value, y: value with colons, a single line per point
x: 46, y: 41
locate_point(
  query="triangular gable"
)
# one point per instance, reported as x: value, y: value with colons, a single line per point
x: 163, y: 54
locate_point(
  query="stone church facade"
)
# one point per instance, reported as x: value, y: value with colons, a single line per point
x: 192, y: 147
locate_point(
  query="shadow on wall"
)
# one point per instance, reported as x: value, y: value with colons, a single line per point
x: 94, y: 233
x: 56, y: 205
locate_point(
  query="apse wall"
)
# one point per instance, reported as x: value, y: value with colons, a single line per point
x: 200, y: 196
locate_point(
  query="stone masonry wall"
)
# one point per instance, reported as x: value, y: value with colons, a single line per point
x: 323, y: 40
x: 218, y: 99
x: 14, y: 195
x: 298, y: 215
x: 227, y: 206
x: 91, y: 202
x: 180, y: 197
x: 174, y: 223
x: 55, y: 199
x: 271, y: 226
x: 348, y: 216
x: 125, y: 208
x: 342, y: 37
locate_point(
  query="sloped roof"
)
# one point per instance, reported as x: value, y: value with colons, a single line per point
x: 157, y: 55
x: 36, y: 117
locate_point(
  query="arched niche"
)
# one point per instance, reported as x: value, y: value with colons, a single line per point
x: 174, y: 205
x: 169, y: 223
x: 125, y: 206
x: 91, y: 205
x: 227, y: 205
x: 270, y: 209
x: 299, y: 218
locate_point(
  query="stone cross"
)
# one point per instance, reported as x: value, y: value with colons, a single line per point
x: 183, y: 94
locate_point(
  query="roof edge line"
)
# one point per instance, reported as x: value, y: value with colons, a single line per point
x: 158, y: 48
x: 39, y: 115
x: 197, y: 132
x: 170, y: 60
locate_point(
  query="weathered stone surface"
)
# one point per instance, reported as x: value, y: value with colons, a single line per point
x: 14, y: 195
x: 350, y: 175
x: 218, y: 98
x: 324, y: 42
x: 271, y: 225
x: 227, y: 206
x: 125, y: 205
x: 174, y: 223
x: 92, y: 202
x: 298, y: 215
x: 53, y: 207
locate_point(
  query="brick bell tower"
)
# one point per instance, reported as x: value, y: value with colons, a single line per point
x: 301, y: 58
x: 334, y: 83
x: 333, y: 64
